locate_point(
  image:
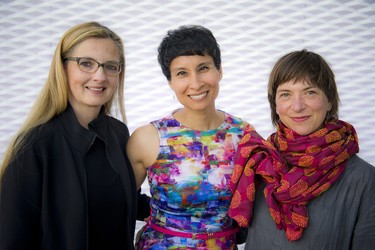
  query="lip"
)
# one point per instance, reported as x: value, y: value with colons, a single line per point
x: 96, y: 89
x: 198, y: 97
x: 300, y: 118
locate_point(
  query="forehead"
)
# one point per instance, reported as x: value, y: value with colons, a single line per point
x: 94, y: 47
x: 190, y: 60
x: 297, y: 83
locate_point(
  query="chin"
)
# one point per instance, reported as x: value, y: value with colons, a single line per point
x: 303, y: 131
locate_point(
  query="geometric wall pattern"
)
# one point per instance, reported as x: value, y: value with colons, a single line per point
x: 252, y: 35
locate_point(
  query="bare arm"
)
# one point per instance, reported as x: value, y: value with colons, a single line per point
x: 142, y: 150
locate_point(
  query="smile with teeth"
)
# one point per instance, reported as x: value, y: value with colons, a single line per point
x: 198, y: 97
x: 95, y: 89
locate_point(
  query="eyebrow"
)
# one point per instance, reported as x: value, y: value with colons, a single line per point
x: 199, y: 65
x: 177, y: 69
x: 89, y: 57
x: 207, y: 62
x: 280, y: 88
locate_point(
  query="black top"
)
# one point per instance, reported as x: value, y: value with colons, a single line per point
x: 106, y: 201
x: 47, y: 199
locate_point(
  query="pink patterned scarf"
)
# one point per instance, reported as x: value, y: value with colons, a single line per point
x: 295, y: 168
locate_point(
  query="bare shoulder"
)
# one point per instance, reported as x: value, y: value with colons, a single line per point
x: 142, y: 131
x: 143, y: 145
x: 143, y: 136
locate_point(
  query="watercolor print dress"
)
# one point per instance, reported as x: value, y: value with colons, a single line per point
x: 189, y: 185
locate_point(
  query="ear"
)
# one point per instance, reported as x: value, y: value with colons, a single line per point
x: 170, y: 84
x: 221, y: 72
x: 329, y: 107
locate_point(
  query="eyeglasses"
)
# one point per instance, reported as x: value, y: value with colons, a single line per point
x: 90, y: 65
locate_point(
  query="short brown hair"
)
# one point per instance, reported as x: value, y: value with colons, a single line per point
x: 308, y: 66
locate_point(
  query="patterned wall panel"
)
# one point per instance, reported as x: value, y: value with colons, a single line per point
x: 252, y: 35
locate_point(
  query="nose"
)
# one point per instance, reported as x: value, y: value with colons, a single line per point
x: 99, y: 74
x: 298, y: 104
x: 195, y: 81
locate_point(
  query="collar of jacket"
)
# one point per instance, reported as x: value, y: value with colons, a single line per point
x: 80, y: 137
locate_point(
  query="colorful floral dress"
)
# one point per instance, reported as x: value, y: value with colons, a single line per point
x: 189, y: 185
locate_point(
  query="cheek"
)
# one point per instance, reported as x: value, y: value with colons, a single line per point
x: 323, y: 108
x: 215, y: 80
x: 74, y: 83
x: 73, y: 77
x: 279, y: 108
x: 323, y: 104
x: 114, y: 81
x: 179, y: 86
x: 329, y: 107
x: 171, y: 86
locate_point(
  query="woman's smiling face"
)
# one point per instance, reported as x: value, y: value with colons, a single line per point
x: 92, y: 90
x: 301, y: 106
x: 195, y: 81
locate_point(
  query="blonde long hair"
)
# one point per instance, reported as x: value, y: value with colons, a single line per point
x: 53, y: 98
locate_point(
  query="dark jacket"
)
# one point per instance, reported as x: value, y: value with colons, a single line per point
x: 43, y: 202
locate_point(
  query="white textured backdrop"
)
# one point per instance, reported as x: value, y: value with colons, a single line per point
x: 252, y: 35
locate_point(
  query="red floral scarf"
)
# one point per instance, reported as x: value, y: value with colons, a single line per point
x: 295, y: 168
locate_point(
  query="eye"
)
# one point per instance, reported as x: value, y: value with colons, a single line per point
x: 86, y: 63
x: 203, y: 68
x: 311, y: 92
x: 181, y: 73
x: 284, y: 95
x: 111, y: 66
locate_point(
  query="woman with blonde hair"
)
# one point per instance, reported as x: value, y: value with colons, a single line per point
x: 66, y: 182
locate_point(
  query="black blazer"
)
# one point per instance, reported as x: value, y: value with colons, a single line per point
x: 43, y: 196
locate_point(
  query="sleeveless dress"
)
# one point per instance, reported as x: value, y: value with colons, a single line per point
x: 189, y: 185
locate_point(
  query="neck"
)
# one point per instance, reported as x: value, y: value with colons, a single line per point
x: 200, y: 120
x: 86, y: 115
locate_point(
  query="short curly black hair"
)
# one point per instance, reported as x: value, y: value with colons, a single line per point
x: 185, y: 41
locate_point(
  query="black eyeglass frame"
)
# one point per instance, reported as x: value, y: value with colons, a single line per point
x: 78, y: 59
